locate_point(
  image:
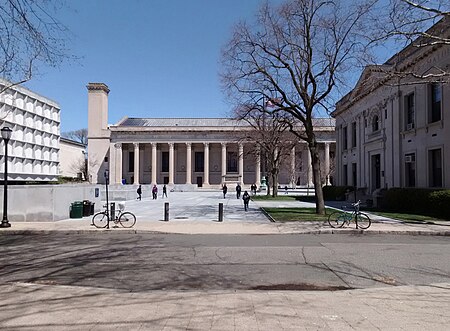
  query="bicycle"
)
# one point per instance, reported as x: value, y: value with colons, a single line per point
x: 339, y: 218
x: 125, y: 219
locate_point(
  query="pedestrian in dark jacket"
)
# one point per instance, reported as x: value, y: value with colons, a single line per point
x: 164, y: 191
x: 224, y: 190
x: 139, y: 192
x: 238, y: 191
x: 246, y: 198
x: 155, y: 192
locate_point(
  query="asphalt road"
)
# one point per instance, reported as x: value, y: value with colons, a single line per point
x: 145, y: 262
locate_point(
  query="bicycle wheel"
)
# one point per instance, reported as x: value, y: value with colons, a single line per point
x: 362, y: 221
x: 127, y: 219
x: 337, y: 219
x: 100, y: 220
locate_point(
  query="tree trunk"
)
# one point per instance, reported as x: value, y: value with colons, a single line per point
x: 317, y: 179
x: 274, y: 185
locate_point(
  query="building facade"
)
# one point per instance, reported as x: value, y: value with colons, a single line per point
x: 393, y: 130
x: 72, y: 157
x: 188, y: 152
x: 35, y: 123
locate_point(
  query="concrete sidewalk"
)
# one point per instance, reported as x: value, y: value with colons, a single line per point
x: 197, y: 213
x: 43, y: 307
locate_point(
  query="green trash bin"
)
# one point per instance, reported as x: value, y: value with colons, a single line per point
x: 76, y: 209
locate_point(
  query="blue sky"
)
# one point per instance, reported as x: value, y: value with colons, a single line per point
x: 160, y: 58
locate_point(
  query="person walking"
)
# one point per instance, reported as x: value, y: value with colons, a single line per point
x: 246, y: 198
x: 155, y: 192
x: 238, y: 190
x: 164, y: 191
x: 139, y: 192
x: 224, y: 190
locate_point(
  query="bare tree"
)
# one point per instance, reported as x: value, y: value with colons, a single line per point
x: 296, y: 54
x: 30, y: 35
x: 80, y: 135
x: 271, y: 134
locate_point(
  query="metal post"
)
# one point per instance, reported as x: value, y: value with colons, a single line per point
x: 166, y: 211
x: 106, y: 174
x: 220, y: 212
x: 6, y: 134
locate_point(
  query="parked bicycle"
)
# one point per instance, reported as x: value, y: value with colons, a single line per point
x: 125, y: 219
x: 339, y: 218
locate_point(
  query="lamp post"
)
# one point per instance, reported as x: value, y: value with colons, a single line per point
x: 106, y: 174
x: 6, y: 135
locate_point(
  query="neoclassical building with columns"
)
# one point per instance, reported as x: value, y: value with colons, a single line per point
x: 187, y: 153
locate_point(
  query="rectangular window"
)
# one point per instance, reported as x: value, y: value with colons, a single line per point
x: 199, y: 161
x: 344, y: 138
x: 232, y: 162
x: 354, y: 178
x: 435, y: 103
x: 409, y: 111
x: 131, y: 162
x: 410, y: 170
x: 435, y: 167
x: 165, y: 161
x: 344, y: 179
x: 354, y: 134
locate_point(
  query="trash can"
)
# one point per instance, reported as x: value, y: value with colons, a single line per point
x: 86, y: 208
x: 92, y: 208
x: 76, y: 209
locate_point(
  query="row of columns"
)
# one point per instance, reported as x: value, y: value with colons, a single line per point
x: 116, y: 163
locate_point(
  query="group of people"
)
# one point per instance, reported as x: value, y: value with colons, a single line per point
x: 154, y: 192
x: 245, y: 196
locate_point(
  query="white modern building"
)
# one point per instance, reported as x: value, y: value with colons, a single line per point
x: 394, y: 131
x: 35, y: 123
x: 188, y: 152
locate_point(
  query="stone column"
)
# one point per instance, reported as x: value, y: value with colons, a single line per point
x: 136, y: 163
x: 154, y: 166
x: 258, y: 167
x: 188, y: 163
x: 310, y: 172
x: 327, y: 164
x: 206, y: 165
x: 118, y: 163
x: 112, y: 163
x: 171, y: 163
x: 241, y: 163
x: 224, y: 161
x: 293, y: 167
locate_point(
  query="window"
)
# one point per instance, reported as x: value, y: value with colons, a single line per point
x: 435, y: 104
x: 232, y: 162
x: 199, y: 162
x: 165, y: 161
x: 410, y: 170
x: 354, y: 178
x: 409, y: 111
x: 354, y: 134
x: 344, y: 177
x: 344, y: 138
x: 435, y: 168
x: 106, y: 159
x: 131, y: 162
x: 375, y: 123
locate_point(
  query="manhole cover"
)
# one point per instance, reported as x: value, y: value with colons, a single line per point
x: 299, y: 287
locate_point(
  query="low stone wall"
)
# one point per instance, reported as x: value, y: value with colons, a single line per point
x: 38, y: 203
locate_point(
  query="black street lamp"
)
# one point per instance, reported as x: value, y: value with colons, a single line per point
x: 6, y: 135
x: 106, y: 174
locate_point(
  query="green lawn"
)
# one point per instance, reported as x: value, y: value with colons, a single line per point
x: 297, y: 214
x: 269, y: 197
x: 406, y: 217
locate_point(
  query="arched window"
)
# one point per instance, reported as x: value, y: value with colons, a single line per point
x: 375, y: 123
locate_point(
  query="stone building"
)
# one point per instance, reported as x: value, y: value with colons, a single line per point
x: 188, y: 152
x: 35, y: 123
x: 393, y: 130
x: 72, y: 156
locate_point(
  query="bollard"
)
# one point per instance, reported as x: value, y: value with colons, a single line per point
x: 220, y: 212
x: 166, y: 211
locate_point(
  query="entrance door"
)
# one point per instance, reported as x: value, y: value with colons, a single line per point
x: 200, y: 181
x: 376, y: 171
